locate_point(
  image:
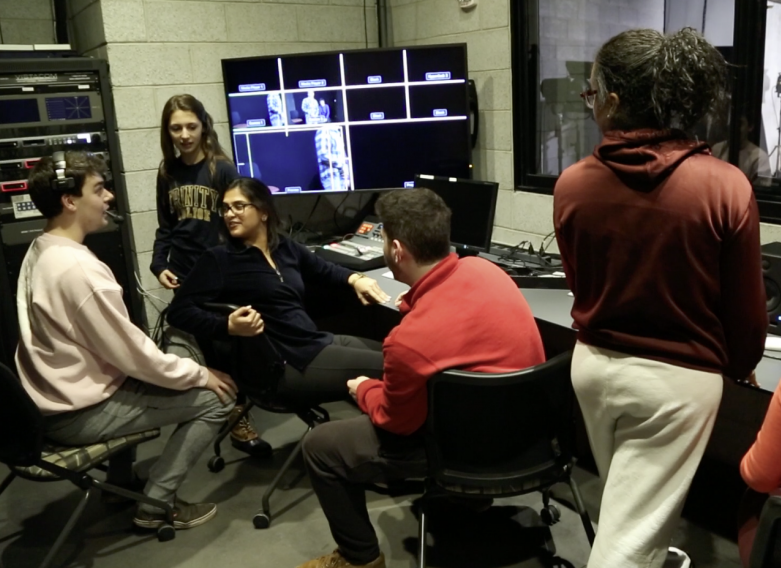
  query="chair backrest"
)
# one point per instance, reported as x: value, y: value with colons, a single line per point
x: 21, y: 422
x: 255, y: 365
x: 493, y: 429
x: 766, y: 551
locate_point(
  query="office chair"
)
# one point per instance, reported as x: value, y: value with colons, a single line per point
x: 257, y: 368
x: 499, y: 435
x: 766, y: 552
x: 25, y: 451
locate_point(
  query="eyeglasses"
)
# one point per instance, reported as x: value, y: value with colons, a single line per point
x: 237, y: 208
x: 589, y: 96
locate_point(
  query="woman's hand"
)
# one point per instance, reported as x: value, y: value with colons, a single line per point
x: 367, y: 289
x: 245, y: 322
x: 168, y: 279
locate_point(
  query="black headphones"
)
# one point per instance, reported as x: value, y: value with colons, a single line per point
x: 62, y: 182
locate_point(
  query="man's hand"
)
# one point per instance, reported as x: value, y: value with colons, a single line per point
x: 222, y: 385
x: 399, y: 298
x: 352, y: 386
x: 245, y: 322
x: 367, y: 289
x: 168, y: 279
x: 752, y: 379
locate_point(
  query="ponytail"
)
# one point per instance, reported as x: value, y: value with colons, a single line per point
x: 661, y: 81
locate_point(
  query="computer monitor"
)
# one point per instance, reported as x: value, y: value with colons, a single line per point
x: 473, y: 204
x: 344, y: 120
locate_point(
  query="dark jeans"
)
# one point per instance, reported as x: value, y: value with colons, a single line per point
x: 325, y: 378
x: 341, y: 456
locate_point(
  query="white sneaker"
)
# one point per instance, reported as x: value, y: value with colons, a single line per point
x: 677, y: 558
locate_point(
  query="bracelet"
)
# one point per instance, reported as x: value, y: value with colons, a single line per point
x: 359, y: 274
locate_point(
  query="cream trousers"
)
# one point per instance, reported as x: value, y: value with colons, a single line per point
x: 648, y: 424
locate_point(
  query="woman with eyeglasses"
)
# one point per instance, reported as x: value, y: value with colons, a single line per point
x: 264, y: 272
x: 660, y: 245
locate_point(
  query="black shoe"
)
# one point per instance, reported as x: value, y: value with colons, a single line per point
x: 186, y: 515
x: 255, y: 447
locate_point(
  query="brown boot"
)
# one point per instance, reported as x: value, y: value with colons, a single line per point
x: 244, y: 437
x: 336, y: 560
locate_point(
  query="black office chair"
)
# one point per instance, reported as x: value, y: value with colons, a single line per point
x: 766, y: 551
x: 499, y: 435
x: 257, y: 368
x: 25, y: 451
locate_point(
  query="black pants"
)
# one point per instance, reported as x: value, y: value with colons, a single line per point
x: 325, y: 378
x: 342, y: 455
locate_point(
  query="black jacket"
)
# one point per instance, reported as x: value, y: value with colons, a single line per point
x: 241, y: 275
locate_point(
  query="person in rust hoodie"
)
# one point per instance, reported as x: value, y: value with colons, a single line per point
x: 462, y: 314
x: 660, y: 245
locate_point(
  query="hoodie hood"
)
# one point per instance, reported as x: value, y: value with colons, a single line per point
x: 642, y: 159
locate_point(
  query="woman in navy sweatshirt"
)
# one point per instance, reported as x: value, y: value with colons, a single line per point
x: 264, y: 272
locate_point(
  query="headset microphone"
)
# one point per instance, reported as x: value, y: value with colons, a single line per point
x: 117, y: 218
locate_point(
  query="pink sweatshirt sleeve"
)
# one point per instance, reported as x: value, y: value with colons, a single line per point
x: 103, y: 326
x: 761, y: 466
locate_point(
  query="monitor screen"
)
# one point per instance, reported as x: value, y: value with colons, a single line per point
x: 473, y: 204
x: 350, y: 120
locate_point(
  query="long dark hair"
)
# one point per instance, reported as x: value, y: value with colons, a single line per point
x: 209, y: 142
x: 661, y: 81
x: 257, y: 193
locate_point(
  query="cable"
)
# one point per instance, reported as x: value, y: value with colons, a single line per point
x: 365, y: 26
x: 144, y: 292
x: 336, y: 211
x: 308, y: 217
x: 543, y: 246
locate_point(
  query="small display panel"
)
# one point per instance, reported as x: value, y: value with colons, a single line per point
x: 473, y: 206
x: 341, y: 121
x: 68, y: 108
x: 17, y: 111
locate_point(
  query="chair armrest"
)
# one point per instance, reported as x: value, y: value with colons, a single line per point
x: 221, y: 308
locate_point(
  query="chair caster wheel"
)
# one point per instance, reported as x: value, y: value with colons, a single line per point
x: 261, y: 521
x: 216, y: 463
x: 165, y: 533
x: 550, y: 515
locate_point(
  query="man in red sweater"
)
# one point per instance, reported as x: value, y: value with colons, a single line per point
x: 464, y: 314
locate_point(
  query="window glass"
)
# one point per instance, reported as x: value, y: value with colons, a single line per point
x: 570, y: 33
x: 765, y: 157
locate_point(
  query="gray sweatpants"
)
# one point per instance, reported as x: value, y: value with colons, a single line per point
x: 139, y: 406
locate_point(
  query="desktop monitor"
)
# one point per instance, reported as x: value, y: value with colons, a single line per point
x: 473, y: 204
x: 345, y: 120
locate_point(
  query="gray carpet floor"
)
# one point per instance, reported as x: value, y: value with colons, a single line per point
x: 508, y: 535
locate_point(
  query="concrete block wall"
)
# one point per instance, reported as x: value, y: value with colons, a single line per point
x: 158, y: 48
x: 26, y: 22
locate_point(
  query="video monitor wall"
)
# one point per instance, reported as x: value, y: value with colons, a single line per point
x: 350, y: 120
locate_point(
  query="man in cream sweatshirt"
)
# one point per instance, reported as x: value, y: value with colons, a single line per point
x: 91, y: 371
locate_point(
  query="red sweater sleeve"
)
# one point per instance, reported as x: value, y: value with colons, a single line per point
x: 398, y: 403
x: 761, y: 466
